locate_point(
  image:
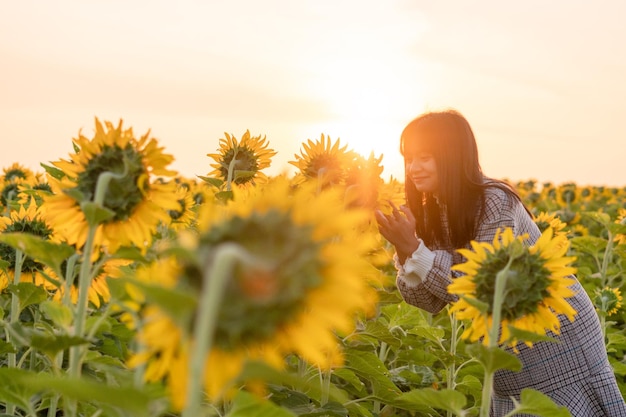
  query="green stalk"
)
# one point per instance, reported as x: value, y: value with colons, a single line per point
x: 498, y: 297
x: 15, y: 314
x: 325, y: 379
x: 382, y: 355
x: 231, y: 171
x: 15, y: 301
x: 84, y: 283
x: 451, y: 377
x: 213, y: 285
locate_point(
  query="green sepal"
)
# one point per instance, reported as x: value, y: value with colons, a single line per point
x: 53, y: 171
x: 216, y: 182
x: 96, y: 214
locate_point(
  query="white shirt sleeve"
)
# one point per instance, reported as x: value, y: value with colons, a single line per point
x: 415, y: 268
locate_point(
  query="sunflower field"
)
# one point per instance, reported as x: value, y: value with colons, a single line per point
x: 130, y: 290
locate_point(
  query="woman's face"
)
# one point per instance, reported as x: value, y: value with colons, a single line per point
x: 421, y: 170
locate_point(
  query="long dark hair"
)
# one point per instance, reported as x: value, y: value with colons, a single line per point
x: 449, y: 137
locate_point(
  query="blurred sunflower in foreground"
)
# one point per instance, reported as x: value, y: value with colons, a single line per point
x: 536, y: 288
x: 241, y: 162
x: 136, y: 201
x: 303, y: 275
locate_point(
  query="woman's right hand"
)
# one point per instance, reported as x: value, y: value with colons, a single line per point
x: 399, y: 229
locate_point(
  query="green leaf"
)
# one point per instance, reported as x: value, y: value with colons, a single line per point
x: 534, y: 402
x: 259, y: 371
x: 96, y: 214
x: 427, y: 398
x: 53, y: 171
x: 245, y: 405
x: 216, y: 182
x: 53, y: 344
x: 350, y: 377
x: 434, y: 334
x: 494, y: 358
x: 377, y: 332
x: 589, y: 244
x: 39, y: 249
x: 369, y: 367
x: 60, y: 314
x: 6, y: 347
x: 133, y: 400
x: 16, y: 394
x: 28, y: 294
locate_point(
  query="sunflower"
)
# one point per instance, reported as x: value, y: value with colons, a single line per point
x: 536, y: 289
x: 363, y: 181
x: 241, y: 162
x: 545, y: 220
x: 306, y: 276
x: 28, y: 219
x: 608, y: 300
x: 323, y: 161
x: 184, y: 215
x: 17, y: 171
x: 137, y: 201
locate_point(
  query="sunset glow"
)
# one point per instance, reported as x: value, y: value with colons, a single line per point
x: 541, y: 84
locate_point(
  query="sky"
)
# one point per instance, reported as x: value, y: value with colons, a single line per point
x: 543, y: 84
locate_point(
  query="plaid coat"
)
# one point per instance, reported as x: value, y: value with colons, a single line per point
x: 575, y: 372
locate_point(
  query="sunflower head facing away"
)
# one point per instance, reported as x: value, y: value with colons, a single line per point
x: 136, y: 200
x: 608, y: 301
x: 536, y: 289
x: 29, y: 219
x: 303, y: 275
x: 323, y: 161
x: 241, y: 162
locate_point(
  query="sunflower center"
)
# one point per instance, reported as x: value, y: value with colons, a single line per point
x: 9, y: 193
x: 34, y: 227
x: 259, y: 300
x: 15, y: 173
x: 526, y: 286
x: 246, y: 160
x: 324, y: 165
x: 177, y: 214
x: 122, y: 195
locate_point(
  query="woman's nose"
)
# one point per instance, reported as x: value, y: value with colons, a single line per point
x: 414, y: 165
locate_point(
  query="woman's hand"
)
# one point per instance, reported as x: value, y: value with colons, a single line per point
x: 399, y: 229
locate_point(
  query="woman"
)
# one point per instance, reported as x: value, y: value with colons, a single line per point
x: 450, y: 203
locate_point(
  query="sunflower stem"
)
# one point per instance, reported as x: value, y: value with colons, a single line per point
x: 231, y: 170
x: 494, y: 333
x: 214, y: 283
x: 84, y: 283
x: 451, y: 377
x: 15, y: 314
